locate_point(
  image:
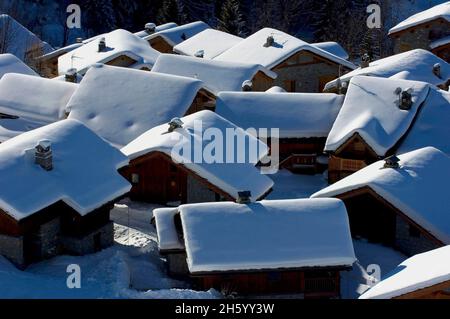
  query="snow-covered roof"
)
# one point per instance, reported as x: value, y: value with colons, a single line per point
x: 440, y: 42
x: 418, y: 188
x: 11, y: 127
x: 217, y: 75
x: 334, y: 48
x: 211, y: 42
x: 61, y: 51
x: 415, y: 65
x: 267, y: 235
x: 431, y: 127
x: 18, y: 40
x: 118, y: 43
x: 34, y: 97
x: 162, y: 27
x: 418, y: 272
x: 84, y: 173
x: 181, y: 33
x: 371, y: 109
x: 228, y: 175
x: 296, y: 115
x: 252, y: 50
x: 119, y: 104
x: 168, y: 238
x: 440, y: 11
x: 11, y: 64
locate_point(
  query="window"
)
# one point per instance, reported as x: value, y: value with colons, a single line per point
x: 414, y: 231
x: 135, y: 178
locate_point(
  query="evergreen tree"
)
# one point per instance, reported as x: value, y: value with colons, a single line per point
x: 99, y: 16
x: 231, y: 20
x: 170, y: 12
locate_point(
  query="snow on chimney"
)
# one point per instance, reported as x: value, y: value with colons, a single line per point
x: 200, y: 54
x: 405, y: 98
x: 437, y: 70
x: 43, y: 155
x: 247, y: 86
x: 150, y: 28
x: 71, y: 75
x: 365, y: 61
x: 392, y: 162
x: 244, y: 197
x: 175, y: 124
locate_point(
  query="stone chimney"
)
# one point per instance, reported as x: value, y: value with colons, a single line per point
x: 150, y: 28
x: 244, y: 197
x: 43, y: 155
x: 175, y: 124
x: 405, y: 99
x: 365, y: 61
x: 79, y: 40
x: 437, y: 70
x: 247, y: 86
x: 392, y: 162
x: 269, y: 41
x: 101, y: 45
x: 200, y: 54
x: 71, y: 75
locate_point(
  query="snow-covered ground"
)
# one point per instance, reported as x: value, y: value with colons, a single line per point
x: 132, y: 268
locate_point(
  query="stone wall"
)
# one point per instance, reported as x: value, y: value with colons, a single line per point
x: 411, y: 245
x: 12, y: 249
x: 47, y: 239
x: 177, y: 264
x: 87, y: 244
x: 420, y: 37
x: 197, y: 192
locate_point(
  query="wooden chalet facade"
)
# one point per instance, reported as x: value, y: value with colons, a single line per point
x: 301, y: 155
x: 374, y: 218
x: 352, y: 156
x: 440, y: 291
x: 56, y: 229
x: 421, y: 36
x: 159, y: 43
x: 307, y: 72
x: 156, y: 178
x: 443, y: 51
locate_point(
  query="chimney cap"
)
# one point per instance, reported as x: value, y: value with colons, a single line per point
x: 200, y: 54
x: 175, y: 123
x: 269, y: 41
x: 247, y: 86
x: 45, y: 144
x: 244, y: 197
x: 392, y: 162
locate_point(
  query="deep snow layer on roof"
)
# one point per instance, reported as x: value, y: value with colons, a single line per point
x: 84, y: 175
x: 296, y: 115
x: 61, y: 51
x: 118, y: 43
x: 120, y: 104
x: 18, y: 40
x: 34, y: 97
x: 162, y: 27
x: 168, y: 238
x: 11, y: 64
x: 181, y: 33
x: 418, y: 188
x: 431, y: 127
x: 10, y: 128
x: 190, y: 144
x: 416, y: 273
x: 266, y: 235
x: 252, y: 50
x: 439, y: 11
x: 440, y: 42
x: 415, y: 65
x: 217, y: 75
x: 211, y: 42
x: 334, y: 48
x: 371, y: 109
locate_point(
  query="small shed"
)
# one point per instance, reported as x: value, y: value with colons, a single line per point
x: 424, y: 276
x: 295, y: 247
x: 401, y: 202
x: 55, y: 194
x: 180, y: 165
